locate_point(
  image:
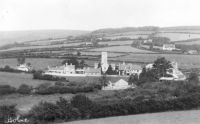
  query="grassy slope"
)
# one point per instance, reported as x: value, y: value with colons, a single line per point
x: 179, y: 117
x: 8, y: 37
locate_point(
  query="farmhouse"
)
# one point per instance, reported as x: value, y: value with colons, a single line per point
x: 23, y: 67
x: 128, y: 69
x: 169, y: 47
x: 192, y: 52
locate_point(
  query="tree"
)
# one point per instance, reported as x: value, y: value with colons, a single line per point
x: 84, y: 105
x: 7, y: 111
x: 68, y: 112
x: 160, y: 67
x: 133, y: 79
x: 24, y: 89
x: 28, y: 64
x: 82, y: 64
x: 103, y: 80
x: 146, y: 76
x: 21, y: 60
x: 110, y: 70
x: 78, y: 53
x: 193, y: 77
x: 73, y: 61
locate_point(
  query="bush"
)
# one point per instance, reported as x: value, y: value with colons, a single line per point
x: 24, y: 89
x: 7, y: 111
x: 6, y: 89
x: 68, y: 112
x: 58, y: 87
x: 84, y: 105
x: 40, y: 76
x: 44, y: 112
x: 9, y: 69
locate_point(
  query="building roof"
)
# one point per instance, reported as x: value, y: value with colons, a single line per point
x: 92, y: 70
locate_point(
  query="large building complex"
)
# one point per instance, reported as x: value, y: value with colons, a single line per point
x: 99, y: 68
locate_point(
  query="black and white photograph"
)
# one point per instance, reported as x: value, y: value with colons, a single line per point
x: 99, y: 61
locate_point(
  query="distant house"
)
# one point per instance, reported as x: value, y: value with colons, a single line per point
x: 93, y: 71
x: 192, y: 52
x: 23, y: 67
x: 128, y: 69
x: 169, y: 47
x: 148, y: 41
x: 119, y: 85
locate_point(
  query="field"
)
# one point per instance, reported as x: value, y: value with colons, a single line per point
x: 177, y: 117
x: 42, y: 46
x: 39, y: 63
x: 184, y: 61
x: 16, y: 79
x: 124, y: 49
x: 178, y: 36
x: 135, y: 36
x: 129, y: 42
x: 197, y: 42
x: 98, y: 53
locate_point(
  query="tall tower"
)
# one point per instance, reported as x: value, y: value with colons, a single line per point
x: 104, y: 61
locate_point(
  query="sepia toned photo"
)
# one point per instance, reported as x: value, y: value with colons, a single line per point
x: 99, y: 62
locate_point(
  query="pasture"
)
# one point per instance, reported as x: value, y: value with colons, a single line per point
x: 37, y: 63
x: 176, y: 117
x: 125, y: 49
x: 184, y: 61
x: 128, y: 42
x: 16, y: 79
x: 178, y: 36
x: 196, y: 42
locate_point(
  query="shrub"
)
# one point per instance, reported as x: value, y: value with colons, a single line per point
x: 40, y: 76
x: 68, y: 112
x: 24, y: 89
x: 84, y: 105
x: 45, y: 112
x: 6, y: 89
x: 7, y: 111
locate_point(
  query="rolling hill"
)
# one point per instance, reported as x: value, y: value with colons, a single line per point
x: 9, y: 37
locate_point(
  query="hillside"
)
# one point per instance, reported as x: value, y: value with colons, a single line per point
x: 9, y: 37
x: 180, y: 117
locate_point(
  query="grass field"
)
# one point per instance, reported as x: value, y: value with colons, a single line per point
x: 98, y: 53
x: 121, y: 49
x: 37, y: 63
x: 16, y: 79
x: 184, y: 61
x: 129, y: 42
x: 190, y: 43
x: 177, y: 117
x: 25, y: 102
x: 42, y: 46
x: 178, y: 36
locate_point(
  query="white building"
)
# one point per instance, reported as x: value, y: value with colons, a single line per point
x: 119, y: 85
x: 128, y: 69
x: 104, y: 62
x: 169, y: 47
x: 23, y: 67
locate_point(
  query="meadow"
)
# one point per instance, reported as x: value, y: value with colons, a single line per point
x: 128, y: 42
x: 178, y: 36
x: 16, y: 79
x: 37, y: 63
x: 184, y: 61
x: 196, y: 42
x: 177, y: 117
x: 125, y: 49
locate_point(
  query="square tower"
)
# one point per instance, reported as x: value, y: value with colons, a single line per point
x: 104, y: 61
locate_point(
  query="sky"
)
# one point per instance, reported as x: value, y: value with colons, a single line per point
x: 96, y: 14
